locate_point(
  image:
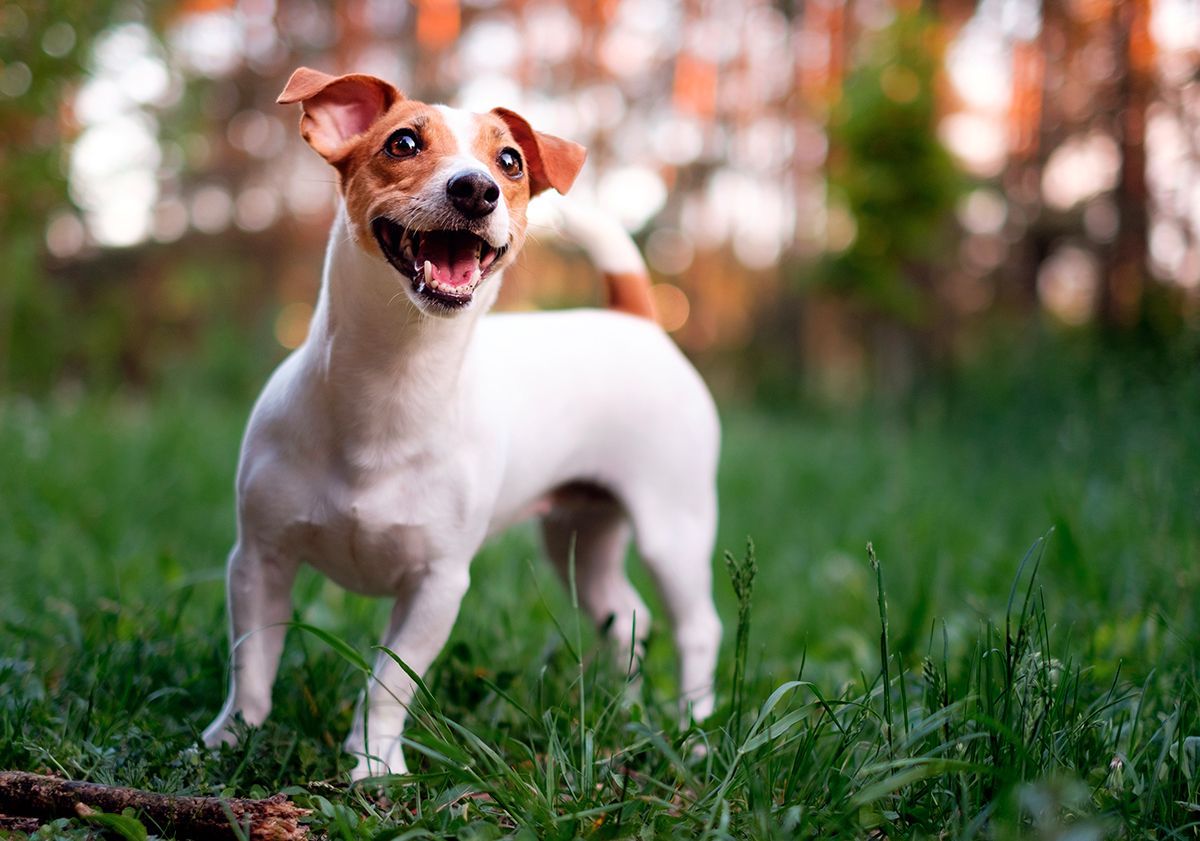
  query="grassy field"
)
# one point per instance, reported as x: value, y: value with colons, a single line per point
x: 1038, y: 542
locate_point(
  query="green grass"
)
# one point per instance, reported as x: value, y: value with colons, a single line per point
x: 1009, y: 698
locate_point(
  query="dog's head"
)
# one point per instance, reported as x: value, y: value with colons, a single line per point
x: 438, y: 193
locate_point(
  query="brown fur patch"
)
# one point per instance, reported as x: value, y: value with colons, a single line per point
x: 550, y: 161
x: 629, y: 292
x: 491, y: 137
x: 374, y: 184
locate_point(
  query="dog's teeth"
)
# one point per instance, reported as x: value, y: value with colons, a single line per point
x: 428, y: 273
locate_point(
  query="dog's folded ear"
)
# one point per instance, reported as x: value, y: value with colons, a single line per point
x: 551, y: 161
x: 337, y: 108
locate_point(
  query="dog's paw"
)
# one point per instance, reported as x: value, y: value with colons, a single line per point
x: 381, y: 758
x: 219, y: 733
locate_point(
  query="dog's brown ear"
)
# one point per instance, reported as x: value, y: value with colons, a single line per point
x: 336, y: 108
x: 551, y: 161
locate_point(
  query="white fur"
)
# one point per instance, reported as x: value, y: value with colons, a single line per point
x: 601, y: 236
x: 391, y: 444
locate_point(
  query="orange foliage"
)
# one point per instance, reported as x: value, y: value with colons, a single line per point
x: 438, y: 23
x: 200, y: 7
x: 695, y: 90
x: 1025, y: 109
x: 1141, y: 45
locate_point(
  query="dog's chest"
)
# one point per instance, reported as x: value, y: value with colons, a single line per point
x: 376, y: 539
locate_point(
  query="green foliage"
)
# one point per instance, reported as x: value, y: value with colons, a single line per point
x: 115, y: 315
x: 889, y: 173
x: 125, y: 825
x: 33, y: 175
x: 741, y: 575
x: 990, y: 699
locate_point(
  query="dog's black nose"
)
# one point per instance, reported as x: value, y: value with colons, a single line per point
x: 473, y: 193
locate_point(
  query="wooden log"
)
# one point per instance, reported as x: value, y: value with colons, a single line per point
x: 24, y: 795
x: 25, y: 825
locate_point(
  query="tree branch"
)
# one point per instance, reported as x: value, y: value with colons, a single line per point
x: 24, y: 795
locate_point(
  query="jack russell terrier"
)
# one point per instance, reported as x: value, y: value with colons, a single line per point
x: 408, y: 427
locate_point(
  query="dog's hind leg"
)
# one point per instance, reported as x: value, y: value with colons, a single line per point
x: 594, y: 526
x: 676, y: 542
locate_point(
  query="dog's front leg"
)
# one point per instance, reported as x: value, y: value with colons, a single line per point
x: 259, y: 588
x: 421, y: 623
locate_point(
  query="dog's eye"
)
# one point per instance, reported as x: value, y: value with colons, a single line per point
x: 402, y: 143
x: 509, y: 161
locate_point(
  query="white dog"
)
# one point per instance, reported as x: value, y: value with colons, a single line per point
x: 408, y: 427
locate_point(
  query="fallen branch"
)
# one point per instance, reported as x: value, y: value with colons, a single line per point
x: 25, y: 795
x: 25, y: 825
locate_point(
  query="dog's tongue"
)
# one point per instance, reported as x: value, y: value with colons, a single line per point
x: 453, y: 254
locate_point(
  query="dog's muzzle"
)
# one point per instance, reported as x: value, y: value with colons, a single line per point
x: 443, y: 266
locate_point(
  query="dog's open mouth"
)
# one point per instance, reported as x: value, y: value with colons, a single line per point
x: 444, y: 266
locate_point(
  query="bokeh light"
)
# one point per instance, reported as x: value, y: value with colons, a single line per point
x: 929, y: 164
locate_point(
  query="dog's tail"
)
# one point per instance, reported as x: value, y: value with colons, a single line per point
x: 613, y: 252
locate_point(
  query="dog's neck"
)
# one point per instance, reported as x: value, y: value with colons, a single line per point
x: 391, y: 372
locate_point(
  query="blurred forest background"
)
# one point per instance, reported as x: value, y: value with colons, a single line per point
x: 833, y: 195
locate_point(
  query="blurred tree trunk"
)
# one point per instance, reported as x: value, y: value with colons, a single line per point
x: 1036, y: 128
x: 1122, y: 287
